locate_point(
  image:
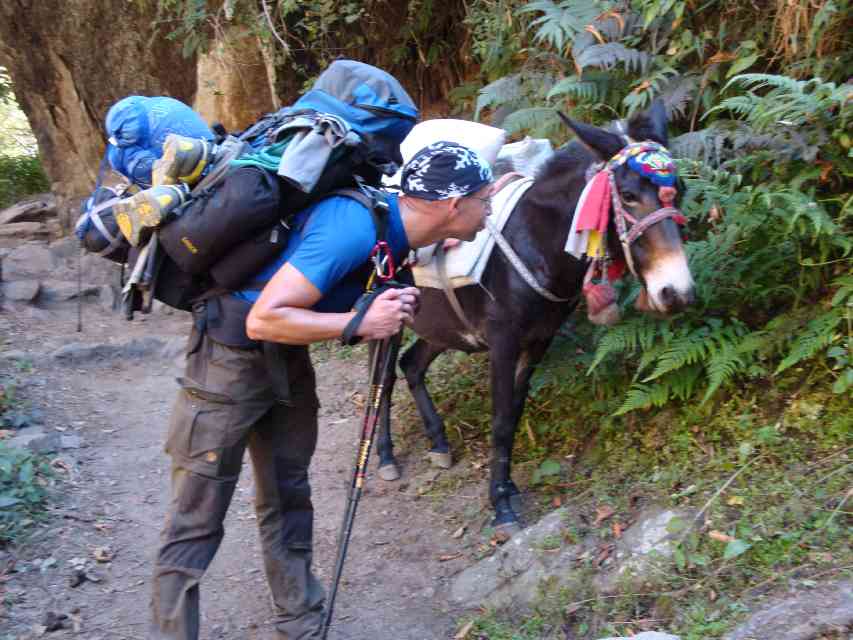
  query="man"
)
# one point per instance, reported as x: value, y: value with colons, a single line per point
x: 232, y: 400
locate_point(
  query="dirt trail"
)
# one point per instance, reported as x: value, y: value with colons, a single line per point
x: 117, y: 488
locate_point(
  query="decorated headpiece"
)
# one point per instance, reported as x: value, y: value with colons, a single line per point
x: 592, y: 217
x: 445, y: 170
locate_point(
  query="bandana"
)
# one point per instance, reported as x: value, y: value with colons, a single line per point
x: 648, y: 159
x: 445, y: 170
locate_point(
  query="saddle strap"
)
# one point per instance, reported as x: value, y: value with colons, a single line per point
x: 450, y: 294
x: 519, y: 266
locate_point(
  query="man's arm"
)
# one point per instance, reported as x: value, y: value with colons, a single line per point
x: 283, y: 312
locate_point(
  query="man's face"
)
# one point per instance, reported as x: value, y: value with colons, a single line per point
x: 473, y: 210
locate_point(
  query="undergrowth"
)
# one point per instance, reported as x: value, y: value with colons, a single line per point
x: 783, y: 521
x: 24, y: 476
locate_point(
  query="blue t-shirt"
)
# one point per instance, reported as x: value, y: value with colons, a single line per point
x: 330, y: 245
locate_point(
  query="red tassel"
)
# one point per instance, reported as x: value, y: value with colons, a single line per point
x: 598, y: 297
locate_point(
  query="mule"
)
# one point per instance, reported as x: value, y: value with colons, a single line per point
x: 515, y: 324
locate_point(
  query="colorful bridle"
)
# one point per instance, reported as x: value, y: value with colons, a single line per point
x: 601, y: 195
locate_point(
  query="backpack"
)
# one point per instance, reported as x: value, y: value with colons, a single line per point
x: 233, y: 227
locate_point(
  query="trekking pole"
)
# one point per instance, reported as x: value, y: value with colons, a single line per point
x: 380, y: 368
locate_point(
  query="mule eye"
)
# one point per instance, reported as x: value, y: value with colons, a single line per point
x: 629, y: 199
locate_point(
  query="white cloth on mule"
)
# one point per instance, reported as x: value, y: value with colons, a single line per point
x: 467, y: 261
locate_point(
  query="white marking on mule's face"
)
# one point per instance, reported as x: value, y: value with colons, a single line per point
x: 670, y: 271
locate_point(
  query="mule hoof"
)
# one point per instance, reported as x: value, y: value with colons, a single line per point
x: 507, y: 529
x: 441, y: 460
x: 389, y: 472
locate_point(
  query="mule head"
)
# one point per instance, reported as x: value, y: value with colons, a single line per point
x: 657, y: 252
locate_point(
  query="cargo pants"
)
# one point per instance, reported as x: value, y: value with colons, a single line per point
x: 227, y: 403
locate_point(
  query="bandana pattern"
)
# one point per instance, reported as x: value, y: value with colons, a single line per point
x: 445, y: 170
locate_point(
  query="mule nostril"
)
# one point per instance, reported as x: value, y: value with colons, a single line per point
x: 668, y: 296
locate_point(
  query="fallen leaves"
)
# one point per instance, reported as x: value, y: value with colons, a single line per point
x: 102, y: 554
x: 464, y: 631
x: 459, y: 532
x: 602, y: 513
x: 448, y: 557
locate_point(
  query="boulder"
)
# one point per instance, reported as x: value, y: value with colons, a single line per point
x: 648, y: 540
x: 59, y: 291
x: 21, y: 290
x: 30, y: 210
x: 802, y: 615
x: 24, y: 231
x: 28, y: 261
x: 533, y: 562
x: 36, y: 440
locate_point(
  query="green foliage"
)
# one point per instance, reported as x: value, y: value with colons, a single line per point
x: 767, y: 181
x: 23, y: 491
x: 21, y: 176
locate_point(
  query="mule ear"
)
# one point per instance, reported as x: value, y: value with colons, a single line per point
x: 602, y: 142
x: 651, y: 124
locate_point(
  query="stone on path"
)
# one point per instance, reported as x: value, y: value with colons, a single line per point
x: 21, y: 290
x: 803, y: 615
x: 36, y: 440
x: 28, y: 261
x: 512, y: 576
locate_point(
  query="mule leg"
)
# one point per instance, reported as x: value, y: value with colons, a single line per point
x: 388, y: 467
x: 511, y: 370
x: 524, y: 368
x: 504, y: 357
x: 415, y: 363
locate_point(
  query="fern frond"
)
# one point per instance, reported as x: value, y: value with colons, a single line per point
x: 575, y: 87
x: 643, y: 396
x: 607, y: 56
x: 676, y: 95
x: 626, y: 338
x: 818, y: 335
x: 539, y: 122
x: 845, y: 290
x: 682, y: 350
x: 562, y: 21
x: 501, y: 91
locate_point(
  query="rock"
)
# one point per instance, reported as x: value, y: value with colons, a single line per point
x: 78, y: 353
x: 534, y: 563
x: 30, y: 210
x: 93, y: 269
x: 65, y: 248
x: 36, y: 440
x: 15, y: 355
x: 21, y: 290
x: 24, y: 230
x: 646, y: 635
x: 28, y: 261
x: 59, y: 291
x: 806, y: 614
x: 70, y: 442
x: 646, y: 541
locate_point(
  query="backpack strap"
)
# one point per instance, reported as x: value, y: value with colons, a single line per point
x: 374, y: 201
